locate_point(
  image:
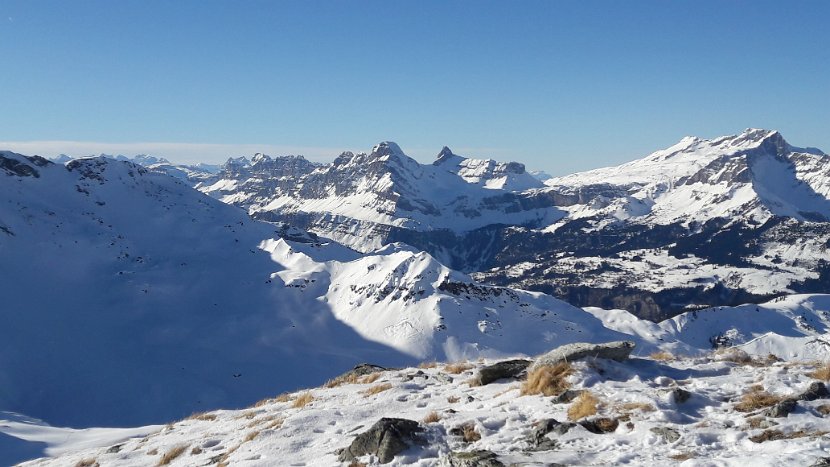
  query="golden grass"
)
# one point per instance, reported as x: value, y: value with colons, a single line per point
x: 267, y: 400
x: 821, y: 373
x: 250, y: 436
x: 453, y: 399
x: 774, y: 435
x: 432, y: 417
x: 376, y: 389
x: 754, y: 400
x: 195, y: 451
x: 283, y: 398
x: 267, y: 419
x: 357, y: 464
x: 87, y: 463
x: 584, y: 405
x: 275, y: 424
x: 469, y: 433
x: 641, y: 406
x: 731, y: 354
x: 457, y: 368
x: 662, y: 356
x: 548, y: 380
x: 683, y: 456
x: 204, y: 416
x: 823, y: 409
x: 427, y: 365
x: 303, y: 400
x: 370, y: 378
x: 172, y: 454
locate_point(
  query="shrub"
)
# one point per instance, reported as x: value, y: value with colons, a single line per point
x: 584, y: 406
x: 173, y: 453
x: 548, y: 380
x: 302, y: 400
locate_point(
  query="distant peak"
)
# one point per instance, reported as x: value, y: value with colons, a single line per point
x: 387, y: 148
x: 445, y: 155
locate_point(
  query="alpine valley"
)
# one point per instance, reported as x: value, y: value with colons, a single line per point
x: 137, y: 292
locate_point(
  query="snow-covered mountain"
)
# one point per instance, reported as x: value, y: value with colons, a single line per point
x: 128, y: 292
x: 369, y: 200
x: 735, y: 219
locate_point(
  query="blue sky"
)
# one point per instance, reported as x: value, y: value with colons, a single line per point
x: 561, y: 86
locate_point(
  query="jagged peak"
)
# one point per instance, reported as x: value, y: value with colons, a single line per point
x: 446, y: 155
x: 388, y: 148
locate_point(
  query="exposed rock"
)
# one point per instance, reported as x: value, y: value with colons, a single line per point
x: 538, y: 439
x: 385, y: 439
x: 17, y: 168
x: 362, y: 369
x: 568, y: 396
x: 821, y: 462
x: 670, y: 435
x: 478, y: 458
x: 781, y: 409
x: 680, y: 396
x: 816, y: 390
x: 505, y: 369
x: 618, y: 351
x: 467, y: 431
x: 601, y: 425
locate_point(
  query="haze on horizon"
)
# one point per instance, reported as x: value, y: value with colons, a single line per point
x: 561, y: 87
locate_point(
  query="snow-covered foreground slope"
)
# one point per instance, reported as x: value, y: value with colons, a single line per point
x: 657, y: 412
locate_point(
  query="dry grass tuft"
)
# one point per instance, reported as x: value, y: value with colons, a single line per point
x: 584, y: 406
x: 427, y: 365
x: 283, y: 398
x: 823, y: 409
x: 821, y: 373
x: 641, y: 406
x: 250, y: 436
x: 432, y: 417
x: 755, y: 400
x: 548, y: 380
x: 370, y: 378
x: 266, y: 401
x: 457, y: 368
x: 376, y: 389
x: 204, y: 416
x: 302, y: 400
x: 87, y: 463
x: 353, y: 379
x: 775, y: 435
x: 247, y: 415
x: 358, y: 464
x: 467, y: 431
x: 662, y: 356
x: 172, y: 454
x: 453, y: 399
x: 195, y: 451
x: 683, y: 456
x: 731, y: 354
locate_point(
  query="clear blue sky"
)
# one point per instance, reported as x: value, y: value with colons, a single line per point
x: 561, y: 86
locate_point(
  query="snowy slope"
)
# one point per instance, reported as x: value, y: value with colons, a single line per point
x: 131, y: 298
x: 651, y: 425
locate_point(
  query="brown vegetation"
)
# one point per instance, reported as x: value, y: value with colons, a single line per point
x: 173, y: 453
x: 302, y: 400
x: 662, y: 356
x: 432, y: 417
x: 548, y: 380
x: 376, y: 389
x: 755, y: 399
x: 821, y: 373
x: 457, y: 368
x: 584, y: 406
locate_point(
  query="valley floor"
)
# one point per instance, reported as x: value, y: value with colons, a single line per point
x: 720, y: 409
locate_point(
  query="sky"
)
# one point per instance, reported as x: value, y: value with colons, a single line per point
x: 560, y: 86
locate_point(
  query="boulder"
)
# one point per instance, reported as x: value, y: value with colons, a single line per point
x: 478, y: 458
x: 816, y: 390
x: 505, y: 369
x: 670, y: 435
x: 680, y: 396
x: 781, y: 409
x: 601, y: 425
x: 385, y: 439
x: 538, y: 439
x: 568, y: 396
x: 618, y: 351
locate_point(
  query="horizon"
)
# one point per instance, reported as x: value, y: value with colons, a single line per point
x: 560, y: 87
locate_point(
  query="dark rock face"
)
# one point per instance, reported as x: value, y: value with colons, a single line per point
x: 618, y: 351
x: 479, y: 458
x: 505, y: 369
x: 816, y: 390
x: 567, y: 396
x: 670, y: 435
x: 600, y: 425
x: 538, y: 439
x: 17, y: 168
x: 680, y: 396
x: 781, y: 409
x: 385, y: 439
